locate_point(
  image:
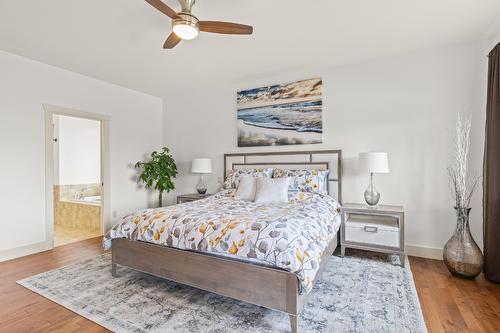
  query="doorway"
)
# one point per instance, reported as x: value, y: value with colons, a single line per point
x: 75, y: 178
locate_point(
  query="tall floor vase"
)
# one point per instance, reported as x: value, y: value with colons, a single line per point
x: 461, y: 254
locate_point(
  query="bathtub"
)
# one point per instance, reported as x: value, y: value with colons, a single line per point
x: 94, y: 200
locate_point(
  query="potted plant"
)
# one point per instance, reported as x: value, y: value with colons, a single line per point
x: 158, y: 172
x: 461, y: 254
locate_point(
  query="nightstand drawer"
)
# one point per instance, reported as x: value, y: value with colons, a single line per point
x: 190, y: 197
x: 184, y: 200
x: 383, y: 233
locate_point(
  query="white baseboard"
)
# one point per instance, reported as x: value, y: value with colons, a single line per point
x: 424, y: 252
x: 25, y: 250
x: 411, y: 250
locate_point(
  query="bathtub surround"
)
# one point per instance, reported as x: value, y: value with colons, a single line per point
x: 73, y: 192
x: 78, y: 207
x: 78, y: 216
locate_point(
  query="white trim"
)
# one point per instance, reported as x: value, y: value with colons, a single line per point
x: 59, y: 110
x: 24, y: 250
x: 411, y: 250
x: 105, y: 207
x: 50, y: 111
x: 424, y: 252
x: 49, y: 179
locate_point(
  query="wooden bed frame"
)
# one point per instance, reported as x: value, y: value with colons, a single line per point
x: 272, y: 288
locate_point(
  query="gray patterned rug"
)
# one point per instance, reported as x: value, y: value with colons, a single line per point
x: 363, y: 292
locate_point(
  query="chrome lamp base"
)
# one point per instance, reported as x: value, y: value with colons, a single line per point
x: 201, y: 187
x: 372, y: 196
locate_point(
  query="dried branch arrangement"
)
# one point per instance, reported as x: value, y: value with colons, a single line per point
x: 461, y: 186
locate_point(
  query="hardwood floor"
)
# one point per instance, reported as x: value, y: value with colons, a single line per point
x: 22, y: 310
x: 452, y: 304
x: 449, y: 304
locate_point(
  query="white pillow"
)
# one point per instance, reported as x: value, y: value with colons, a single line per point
x: 272, y: 190
x: 246, y: 188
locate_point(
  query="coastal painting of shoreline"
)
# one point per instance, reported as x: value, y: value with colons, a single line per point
x: 282, y: 114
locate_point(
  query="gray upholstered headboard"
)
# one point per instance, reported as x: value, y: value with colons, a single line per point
x: 293, y: 160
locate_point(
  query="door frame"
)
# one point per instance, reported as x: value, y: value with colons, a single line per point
x: 50, y: 111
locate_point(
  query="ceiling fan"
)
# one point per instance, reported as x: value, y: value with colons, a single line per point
x: 187, y: 26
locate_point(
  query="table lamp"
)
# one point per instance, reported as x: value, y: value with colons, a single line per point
x: 373, y: 162
x: 201, y: 166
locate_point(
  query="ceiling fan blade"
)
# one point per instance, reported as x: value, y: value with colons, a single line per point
x: 171, y: 41
x: 162, y: 7
x: 225, y: 28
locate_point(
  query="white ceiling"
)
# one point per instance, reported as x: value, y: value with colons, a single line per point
x: 120, y: 41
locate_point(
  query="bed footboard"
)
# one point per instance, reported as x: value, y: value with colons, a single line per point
x: 271, y: 288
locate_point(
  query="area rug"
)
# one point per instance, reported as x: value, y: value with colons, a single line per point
x: 362, y: 292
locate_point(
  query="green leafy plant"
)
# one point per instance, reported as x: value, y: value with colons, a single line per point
x: 158, y: 172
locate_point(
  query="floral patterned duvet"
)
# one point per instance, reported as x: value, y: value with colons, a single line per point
x: 291, y: 236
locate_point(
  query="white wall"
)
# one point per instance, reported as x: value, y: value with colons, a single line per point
x: 405, y: 105
x: 493, y: 42
x: 135, y: 128
x: 79, y: 151
x: 494, y: 34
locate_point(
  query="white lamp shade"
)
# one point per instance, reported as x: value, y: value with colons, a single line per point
x: 201, y: 165
x: 376, y: 162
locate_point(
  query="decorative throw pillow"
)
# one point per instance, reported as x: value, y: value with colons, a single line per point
x: 246, y: 188
x: 314, y: 181
x: 233, y: 178
x: 272, y: 190
x: 299, y: 195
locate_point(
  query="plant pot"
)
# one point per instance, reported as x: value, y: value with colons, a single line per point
x: 461, y: 254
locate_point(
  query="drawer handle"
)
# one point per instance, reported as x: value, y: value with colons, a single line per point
x: 371, y: 229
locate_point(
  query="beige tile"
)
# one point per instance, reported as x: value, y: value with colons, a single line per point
x: 76, y: 215
x: 65, y: 235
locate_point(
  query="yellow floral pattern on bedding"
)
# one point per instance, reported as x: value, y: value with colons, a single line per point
x: 314, y: 181
x: 291, y: 236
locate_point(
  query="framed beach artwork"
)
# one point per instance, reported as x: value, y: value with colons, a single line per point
x: 282, y: 114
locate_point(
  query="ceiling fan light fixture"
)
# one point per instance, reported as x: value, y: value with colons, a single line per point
x: 186, y: 27
x: 185, y: 31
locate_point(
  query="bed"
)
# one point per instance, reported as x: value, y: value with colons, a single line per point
x: 264, y: 254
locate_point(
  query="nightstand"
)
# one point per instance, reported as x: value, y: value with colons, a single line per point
x: 379, y: 229
x: 191, y: 197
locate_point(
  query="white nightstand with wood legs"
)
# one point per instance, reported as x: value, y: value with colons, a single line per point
x: 379, y: 229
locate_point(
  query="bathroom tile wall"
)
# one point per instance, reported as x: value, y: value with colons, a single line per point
x: 71, y: 192
x: 70, y: 212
